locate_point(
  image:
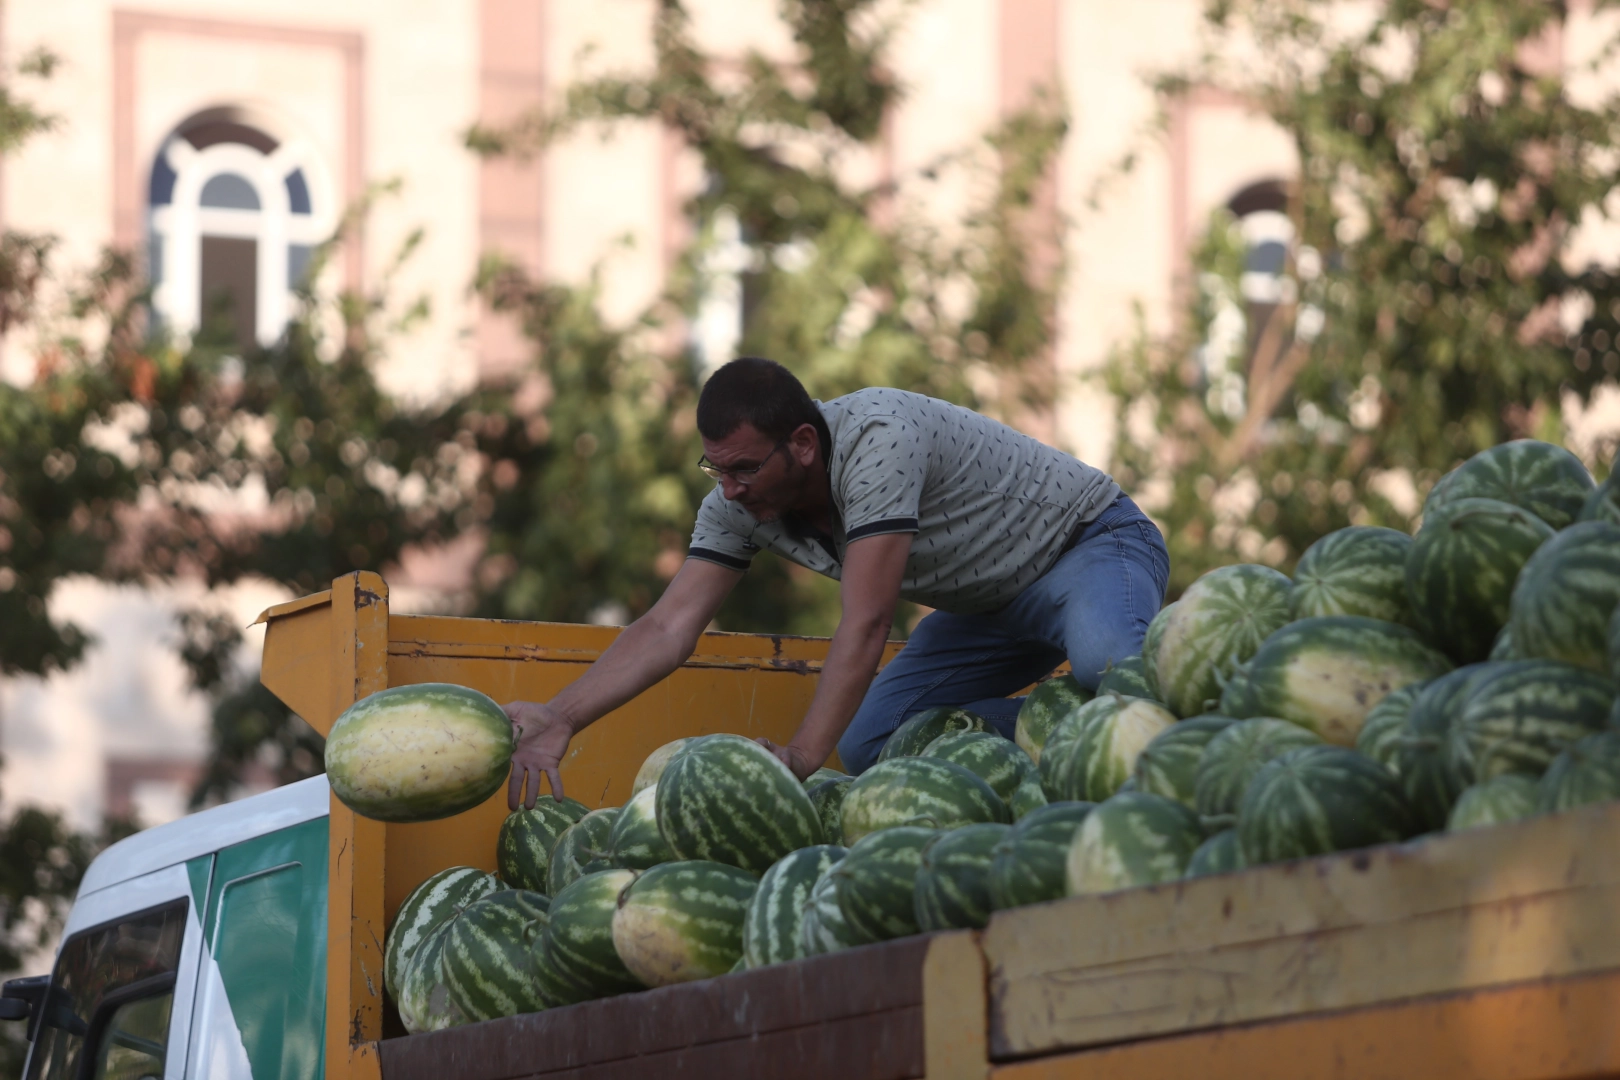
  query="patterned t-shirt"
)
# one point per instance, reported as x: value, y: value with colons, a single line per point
x: 992, y: 508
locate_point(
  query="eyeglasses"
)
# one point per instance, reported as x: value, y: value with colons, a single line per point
x: 739, y: 476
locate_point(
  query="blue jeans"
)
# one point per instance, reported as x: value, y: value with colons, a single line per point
x: 1091, y: 608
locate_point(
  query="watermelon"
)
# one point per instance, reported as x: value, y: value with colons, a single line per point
x: 824, y: 928
x: 1327, y: 673
x: 1028, y: 797
x: 1234, y: 755
x: 995, y: 760
x: 424, y: 999
x: 1132, y: 839
x: 1614, y: 644
x: 1319, y: 799
x: 918, y: 791
x: 1218, y: 623
x: 589, y: 838
x: 1567, y: 593
x: 1461, y: 571
x: 1520, y: 715
x: 1128, y: 677
x: 952, y: 887
x: 1502, y: 648
x: 1092, y: 753
x: 524, y: 844
x: 1423, y: 762
x: 1586, y: 772
x: 1030, y: 862
x: 1150, y: 647
x: 635, y: 842
x: 682, y: 921
x: 652, y: 768
x: 1360, y: 570
x: 823, y: 774
x: 773, y: 928
x: 419, y: 753
x: 1168, y: 765
x: 1544, y: 479
x: 920, y: 729
x: 579, y: 949
x: 1220, y: 854
x: 828, y: 799
x: 1509, y: 797
x: 429, y: 906
x: 1048, y: 703
x: 488, y: 963
x: 875, y: 883
x: 1381, y: 732
x: 729, y: 800
x: 1604, y: 502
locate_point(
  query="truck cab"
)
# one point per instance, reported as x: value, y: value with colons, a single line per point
x: 194, y: 949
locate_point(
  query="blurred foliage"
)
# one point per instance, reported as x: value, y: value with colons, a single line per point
x: 1437, y: 298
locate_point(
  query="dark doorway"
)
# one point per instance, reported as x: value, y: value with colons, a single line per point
x: 230, y: 283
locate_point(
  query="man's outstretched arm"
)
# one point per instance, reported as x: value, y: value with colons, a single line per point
x: 647, y: 651
x: 873, y: 570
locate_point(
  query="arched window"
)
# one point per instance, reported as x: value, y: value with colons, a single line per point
x: 234, y: 215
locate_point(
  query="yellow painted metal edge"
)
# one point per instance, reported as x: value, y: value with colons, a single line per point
x: 956, y: 1010
x: 293, y: 607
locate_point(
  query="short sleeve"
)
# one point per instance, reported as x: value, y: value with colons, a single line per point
x: 880, y: 476
x: 720, y: 534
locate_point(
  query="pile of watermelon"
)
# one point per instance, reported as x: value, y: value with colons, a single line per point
x: 1394, y: 686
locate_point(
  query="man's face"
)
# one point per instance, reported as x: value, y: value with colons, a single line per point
x: 779, y: 482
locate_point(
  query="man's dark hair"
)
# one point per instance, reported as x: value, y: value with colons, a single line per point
x: 760, y: 392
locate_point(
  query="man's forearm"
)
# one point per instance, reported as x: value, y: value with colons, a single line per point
x: 642, y: 655
x: 852, y: 660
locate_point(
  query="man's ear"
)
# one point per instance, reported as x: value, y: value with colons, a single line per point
x: 803, y: 444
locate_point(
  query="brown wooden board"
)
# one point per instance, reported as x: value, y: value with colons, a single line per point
x: 1465, y: 911
x: 856, y: 1015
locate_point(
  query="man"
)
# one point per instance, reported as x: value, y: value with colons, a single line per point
x: 1027, y: 555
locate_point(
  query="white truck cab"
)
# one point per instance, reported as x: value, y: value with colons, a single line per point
x: 194, y: 950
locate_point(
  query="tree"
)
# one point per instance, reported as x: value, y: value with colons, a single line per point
x: 1440, y: 301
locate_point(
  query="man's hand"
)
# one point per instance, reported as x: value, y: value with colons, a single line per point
x: 791, y: 756
x: 541, y: 734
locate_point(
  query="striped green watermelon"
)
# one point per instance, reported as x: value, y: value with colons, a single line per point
x: 1327, y: 673
x: 424, y: 998
x: 1030, y: 863
x: 918, y: 791
x: 1028, y: 797
x: 1132, y: 839
x: 828, y: 799
x: 727, y: 799
x: 1381, y: 732
x: 1522, y: 714
x: 1360, y: 570
x: 524, y: 844
x: 1509, y: 797
x: 653, y: 767
x: 1567, y: 594
x: 1168, y: 765
x: 579, y: 939
x: 920, y: 729
x: 876, y: 880
x: 682, y: 921
x: 488, y: 964
x: 1220, y: 854
x: 1233, y: 757
x: 429, y: 906
x: 825, y: 929
x: 824, y: 773
x: 591, y: 837
x: 1604, y: 502
x: 1092, y: 753
x: 1502, y: 648
x: 952, y: 888
x: 1128, y: 677
x: 635, y: 842
x: 1544, y: 479
x: 773, y: 929
x: 1150, y: 647
x: 995, y: 760
x: 1218, y: 623
x: 419, y: 753
x: 1586, y: 772
x: 1428, y: 776
x: 553, y: 988
x: 1319, y: 799
x: 1614, y: 644
x: 1462, y: 568
x: 1048, y: 703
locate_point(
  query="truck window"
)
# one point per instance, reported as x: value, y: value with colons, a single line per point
x: 112, y: 990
